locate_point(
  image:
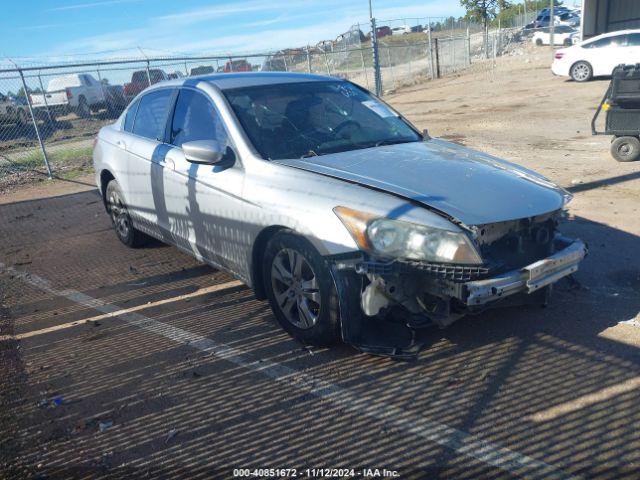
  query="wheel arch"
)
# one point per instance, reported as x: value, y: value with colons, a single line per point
x: 257, y: 256
x: 105, y: 177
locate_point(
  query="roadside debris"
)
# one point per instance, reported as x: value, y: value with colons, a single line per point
x: 51, y: 402
x: 172, y: 433
x: 104, y: 426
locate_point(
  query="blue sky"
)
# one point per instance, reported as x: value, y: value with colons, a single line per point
x: 54, y: 30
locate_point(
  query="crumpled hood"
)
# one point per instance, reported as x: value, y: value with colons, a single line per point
x: 470, y: 186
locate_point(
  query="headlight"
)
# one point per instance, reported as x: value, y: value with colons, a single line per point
x: 398, y: 239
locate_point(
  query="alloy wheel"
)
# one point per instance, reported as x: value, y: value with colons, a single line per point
x: 581, y: 72
x: 295, y: 288
x: 119, y: 215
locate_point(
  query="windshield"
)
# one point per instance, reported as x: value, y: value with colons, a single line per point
x: 296, y: 120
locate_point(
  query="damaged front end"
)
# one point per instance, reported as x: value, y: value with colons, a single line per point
x: 386, y: 304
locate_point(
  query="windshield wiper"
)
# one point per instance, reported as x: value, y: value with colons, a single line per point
x: 393, y: 141
x: 310, y: 153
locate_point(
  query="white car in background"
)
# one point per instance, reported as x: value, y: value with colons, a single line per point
x: 401, y: 30
x: 598, y: 56
x: 561, y: 36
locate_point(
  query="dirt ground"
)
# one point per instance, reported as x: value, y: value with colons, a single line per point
x: 118, y: 363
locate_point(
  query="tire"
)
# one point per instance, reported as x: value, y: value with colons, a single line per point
x: 121, y: 219
x: 539, y: 42
x: 581, y: 72
x: 83, y: 110
x: 567, y: 42
x: 304, y: 300
x: 625, y: 149
x: 22, y: 118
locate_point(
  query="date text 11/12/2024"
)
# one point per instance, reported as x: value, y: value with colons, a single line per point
x: 315, y: 473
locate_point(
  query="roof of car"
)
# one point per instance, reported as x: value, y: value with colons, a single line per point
x: 613, y: 34
x: 227, y: 81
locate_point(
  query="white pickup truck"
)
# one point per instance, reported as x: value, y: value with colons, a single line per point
x: 79, y: 93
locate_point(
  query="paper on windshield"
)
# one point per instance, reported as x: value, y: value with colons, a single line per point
x: 379, y: 108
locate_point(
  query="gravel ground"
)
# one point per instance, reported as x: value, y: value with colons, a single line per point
x: 193, y: 378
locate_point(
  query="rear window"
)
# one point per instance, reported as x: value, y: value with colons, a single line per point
x: 60, y: 83
x: 633, y: 40
x: 151, y: 117
x: 130, y: 116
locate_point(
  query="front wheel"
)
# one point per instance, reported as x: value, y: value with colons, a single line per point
x: 121, y: 219
x: 625, y: 149
x: 300, y: 290
x: 581, y: 72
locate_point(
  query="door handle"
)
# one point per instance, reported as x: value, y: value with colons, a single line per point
x: 121, y: 144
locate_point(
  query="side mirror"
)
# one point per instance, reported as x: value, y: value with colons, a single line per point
x: 204, y: 152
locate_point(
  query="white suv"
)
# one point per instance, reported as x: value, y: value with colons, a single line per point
x: 598, y: 56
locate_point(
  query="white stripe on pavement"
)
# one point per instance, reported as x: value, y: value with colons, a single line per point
x: 457, y: 440
x: 179, y: 298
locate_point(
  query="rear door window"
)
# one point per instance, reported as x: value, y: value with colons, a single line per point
x: 151, y: 117
x: 607, y: 42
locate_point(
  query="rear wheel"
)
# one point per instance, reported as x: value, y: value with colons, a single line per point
x: 83, y: 110
x: 539, y: 42
x: 22, y: 117
x: 300, y: 289
x: 625, y: 149
x: 581, y: 72
x: 121, y: 219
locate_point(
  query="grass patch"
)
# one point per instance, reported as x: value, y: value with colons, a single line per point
x: 58, y: 155
x: 73, y: 173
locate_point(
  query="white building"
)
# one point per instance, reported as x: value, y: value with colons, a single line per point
x: 602, y: 16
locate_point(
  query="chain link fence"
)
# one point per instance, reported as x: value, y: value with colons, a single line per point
x: 50, y: 114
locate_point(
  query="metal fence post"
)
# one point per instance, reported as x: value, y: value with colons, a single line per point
x: 308, y: 60
x: 148, y: 74
x: 431, y: 65
x: 44, y: 96
x: 468, y: 46
x: 393, y: 77
x: 437, y: 58
x: 35, y: 124
x: 364, y: 68
x: 326, y: 62
x: 376, y: 59
x: 186, y: 70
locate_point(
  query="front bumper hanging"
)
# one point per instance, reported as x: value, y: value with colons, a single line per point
x: 530, y: 278
x: 380, y: 336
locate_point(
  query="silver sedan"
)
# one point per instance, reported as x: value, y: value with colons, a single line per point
x: 331, y: 205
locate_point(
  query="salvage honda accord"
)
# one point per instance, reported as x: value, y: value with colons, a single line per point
x: 331, y: 205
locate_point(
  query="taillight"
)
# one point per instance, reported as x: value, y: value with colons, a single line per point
x: 559, y: 56
x: 69, y: 94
